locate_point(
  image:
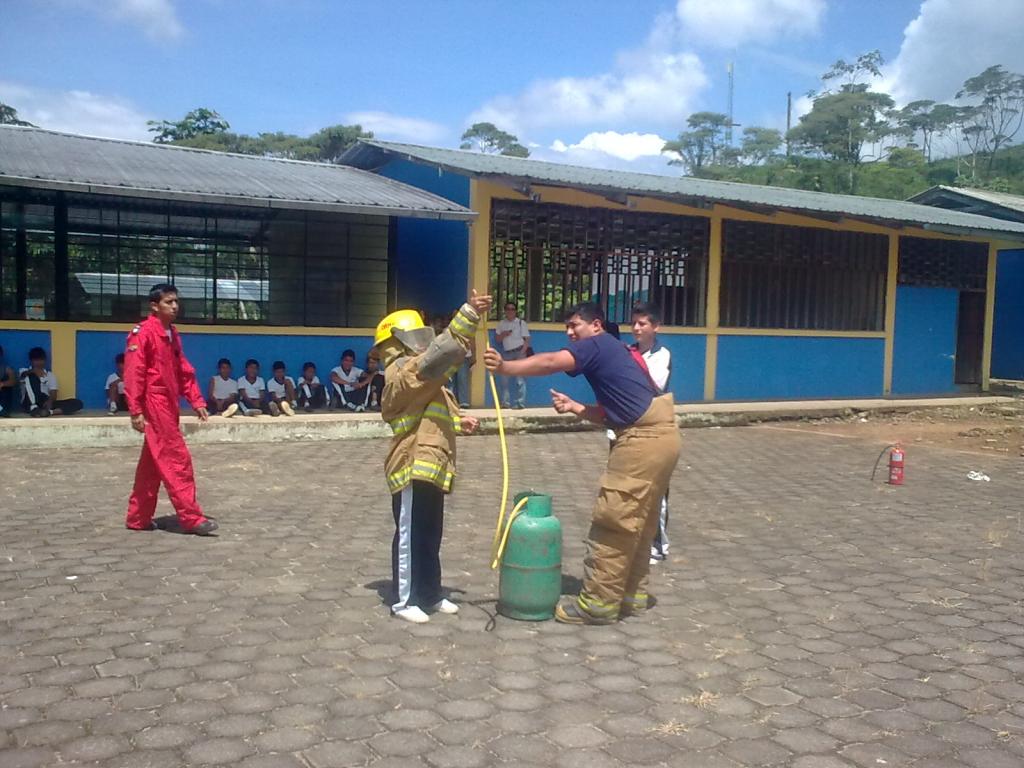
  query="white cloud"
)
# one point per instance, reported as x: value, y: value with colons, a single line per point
x: 388, y: 126
x: 76, y: 112
x: 728, y: 23
x: 656, y: 86
x: 625, y: 146
x: 950, y: 41
x: 158, y: 19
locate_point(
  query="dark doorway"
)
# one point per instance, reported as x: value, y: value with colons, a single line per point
x: 970, y: 337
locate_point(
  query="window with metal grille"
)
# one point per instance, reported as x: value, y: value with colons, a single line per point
x: 934, y: 263
x: 230, y: 264
x: 546, y: 257
x: 776, y: 276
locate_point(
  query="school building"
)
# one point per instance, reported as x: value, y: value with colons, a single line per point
x: 768, y: 293
x: 274, y: 259
x: 1008, y: 320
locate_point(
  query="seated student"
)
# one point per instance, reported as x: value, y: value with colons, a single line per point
x: 8, y: 387
x: 115, y: 387
x: 349, y: 391
x: 280, y: 391
x: 250, y: 390
x: 39, y: 389
x: 310, y: 393
x: 222, y: 391
x: 375, y: 378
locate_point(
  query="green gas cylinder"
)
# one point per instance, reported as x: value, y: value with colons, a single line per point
x: 531, y: 569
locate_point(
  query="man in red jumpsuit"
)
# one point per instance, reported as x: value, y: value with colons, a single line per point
x: 156, y: 376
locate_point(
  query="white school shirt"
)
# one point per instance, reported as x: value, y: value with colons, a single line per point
x: 519, y: 332
x: 223, y: 388
x: 110, y: 380
x: 278, y: 388
x: 47, y: 382
x: 659, y: 364
x: 252, y: 389
x: 349, y: 378
x: 302, y: 381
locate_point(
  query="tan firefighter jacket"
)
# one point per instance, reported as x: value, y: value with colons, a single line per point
x: 422, y: 412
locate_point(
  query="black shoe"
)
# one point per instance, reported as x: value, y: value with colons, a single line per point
x: 205, y: 528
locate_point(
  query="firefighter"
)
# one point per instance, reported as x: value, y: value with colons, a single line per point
x: 640, y: 463
x: 156, y: 376
x: 420, y: 465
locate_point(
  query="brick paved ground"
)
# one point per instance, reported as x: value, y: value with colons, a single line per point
x: 806, y: 619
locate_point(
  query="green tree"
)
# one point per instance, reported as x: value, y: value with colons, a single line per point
x: 759, y: 145
x: 842, y: 122
x: 701, y: 145
x: 917, y: 117
x: 197, y: 122
x: 1000, y: 108
x: 488, y: 138
x: 9, y: 116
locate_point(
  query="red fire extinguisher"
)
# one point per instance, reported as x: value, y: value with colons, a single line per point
x: 896, y: 458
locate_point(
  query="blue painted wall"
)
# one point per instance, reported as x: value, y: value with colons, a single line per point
x: 786, y: 367
x: 96, y: 351
x: 432, y: 257
x: 16, y: 345
x: 687, y: 382
x: 1008, y: 323
x: 924, y: 347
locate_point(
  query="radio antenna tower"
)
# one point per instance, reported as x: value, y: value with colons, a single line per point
x: 729, y: 125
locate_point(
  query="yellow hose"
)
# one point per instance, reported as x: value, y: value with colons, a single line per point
x: 504, y: 466
x: 497, y: 554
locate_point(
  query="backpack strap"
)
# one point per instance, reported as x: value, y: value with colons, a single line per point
x: 638, y: 358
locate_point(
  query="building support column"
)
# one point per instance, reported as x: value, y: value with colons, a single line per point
x: 990, y: 307
x: 711, y: 318
x: 891, y: 280
x: 61, y: 263
x: 479, y: 278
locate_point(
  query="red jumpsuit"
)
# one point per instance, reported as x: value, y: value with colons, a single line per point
x: 156, y: 376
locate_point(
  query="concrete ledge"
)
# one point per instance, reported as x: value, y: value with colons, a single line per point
x: 89, y: 430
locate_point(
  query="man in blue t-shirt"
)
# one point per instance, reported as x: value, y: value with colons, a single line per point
x: 640, y: 463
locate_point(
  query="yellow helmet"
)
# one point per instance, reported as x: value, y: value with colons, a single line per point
x: 400, y: 320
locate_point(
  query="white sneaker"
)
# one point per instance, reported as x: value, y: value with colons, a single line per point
x: 286, y: 408
x: 112, y: 408
x: 412, y: 613
x: 445, y: 606
x: 253, y: 412
x: 275, y: 409
x: 230, y: 411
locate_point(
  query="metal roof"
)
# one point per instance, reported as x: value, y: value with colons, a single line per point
x: 998, y: 205
x: 371, y: 154
x: 51, y: 160
x: 189, y: 286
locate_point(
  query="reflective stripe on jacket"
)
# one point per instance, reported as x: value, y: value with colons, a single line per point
x: 424, y: 414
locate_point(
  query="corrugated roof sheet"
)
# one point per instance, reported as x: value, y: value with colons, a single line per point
x: 48, y: 159
x: 369, y: 154
x: 189, y: 286
x: 987, y: 198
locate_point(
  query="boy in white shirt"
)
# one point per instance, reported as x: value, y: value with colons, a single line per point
x: 513, y: 338
x: 222, y: 393
x: 115, y: 387
x: 646, y: 321
x: 310, y: 393
x: 250, y: 390
x: 280, y: 391
x: 39, y: 389
x: 349, y: 391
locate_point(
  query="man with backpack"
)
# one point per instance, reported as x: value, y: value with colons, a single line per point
x: 640, y: 463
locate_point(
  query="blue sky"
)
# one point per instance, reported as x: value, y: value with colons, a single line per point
x: 595, y: 82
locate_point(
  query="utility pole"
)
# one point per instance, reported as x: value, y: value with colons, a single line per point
x: 789, y: 117
x: 728, y: 129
